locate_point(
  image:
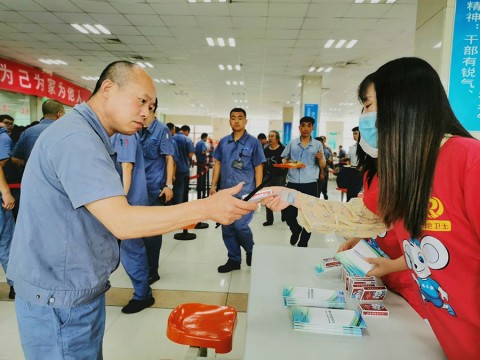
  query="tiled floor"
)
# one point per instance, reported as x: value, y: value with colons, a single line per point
x: 188, y: 271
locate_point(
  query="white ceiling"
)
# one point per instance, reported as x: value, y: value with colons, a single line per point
x: 277, y: 41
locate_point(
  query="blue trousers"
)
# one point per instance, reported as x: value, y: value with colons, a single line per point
x: 74, y: 333
x: 153, y: 245
x: 238, y: 235
x: 133, y: 256
x: 180, y: 187
x: 7, y: 226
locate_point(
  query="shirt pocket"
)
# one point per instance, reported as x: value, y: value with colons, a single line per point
x: 150, y: 150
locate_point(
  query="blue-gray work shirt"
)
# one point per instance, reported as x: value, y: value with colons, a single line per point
x: 247, y: 149
x: 24, y: 146
x: 61, y: 255
x: 296, y: 152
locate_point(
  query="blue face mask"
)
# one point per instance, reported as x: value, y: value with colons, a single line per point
x: 368, y: 130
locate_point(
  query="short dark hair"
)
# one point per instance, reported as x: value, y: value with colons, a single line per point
x: 170, y: 126
x: 117, y: 71
x: 51, y: 107
x: 204, y: 136
x: 238, y: 110
x: 307, y: 119
x: 156, y: 105
x: 185, y: 128
x: 177, y: 129
x: 262, y: 136
x: 6, y: 117
x: 355, y: 129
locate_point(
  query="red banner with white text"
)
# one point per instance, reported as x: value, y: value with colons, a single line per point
x: 29, y: 80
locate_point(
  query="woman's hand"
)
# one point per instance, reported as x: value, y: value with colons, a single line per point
x: 281, y: 198
x: 385, y: 266
x: 350, y: 243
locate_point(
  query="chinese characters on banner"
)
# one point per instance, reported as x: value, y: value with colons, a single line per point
x: 29, y: 80
x: 464, y: 89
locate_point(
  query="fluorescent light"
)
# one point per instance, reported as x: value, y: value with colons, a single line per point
x: 351, y: 44
x: 164, y: 81
x: 374, y: 1
x: 170, y: 81
x: 391, y: 1
x: 156, y: 80
x: 329, y: 43
x: 149, y: 65
x: 311, y: 69
x: 328, y: 69
x: 229, y: 67
x: 234, y: 83
x: 91, y: 29
x: 238, y: 67
x: 80, y: 28
x: 242, y: 83
x: 231, y: 42
x: 319, y: 69
x: 340, y: 43
x: 53, y: 62
x: 142, y: 65
x: 103, y: 29
x: 222, y: 0
x: 228, y: 82
x: 358, y: 1
x: 221, y: 67
x: 438, y: 45
x: 220, y: 42
x: 210, y: 41
x: 192, y: 1
x: 207, y: 0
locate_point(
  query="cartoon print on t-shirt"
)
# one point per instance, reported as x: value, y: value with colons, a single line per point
x: 422, y: 256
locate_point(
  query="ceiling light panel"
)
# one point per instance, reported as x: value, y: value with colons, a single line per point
x: 87, y: 29
x: 340, y: 43
x: 220, y: 42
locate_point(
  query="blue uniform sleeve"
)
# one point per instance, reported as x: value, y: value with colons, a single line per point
x: 166, y: 147
x: 85, y: 170
x: 258, y: 154
x: 217, y: 153
x: 286, y: 151
x: 190, y: 145
x: 125, y: 147
x: 5, y: 146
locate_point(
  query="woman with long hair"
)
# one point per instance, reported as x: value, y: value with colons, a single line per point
x: 428, y: 170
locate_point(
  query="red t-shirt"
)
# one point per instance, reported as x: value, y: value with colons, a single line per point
x: 400, y: 282
x: 445, y: 260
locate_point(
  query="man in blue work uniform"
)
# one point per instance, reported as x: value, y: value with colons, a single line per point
x: 309, y: 152
x: 182, y: 171
x: 74, y: 210
x: 238, y: 157
x: 202, y: 169
x: 133, y: 254
x: 158, y: 154
x: 52, y: 110
x: 7, y: 201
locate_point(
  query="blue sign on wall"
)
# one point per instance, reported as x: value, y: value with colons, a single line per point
x: 464, y: 87
x: 287, y: 132
x: 312, y: 111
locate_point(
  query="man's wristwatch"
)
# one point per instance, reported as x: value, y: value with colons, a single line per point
x: 169, y: 186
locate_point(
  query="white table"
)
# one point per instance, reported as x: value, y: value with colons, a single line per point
x: 270, y: 335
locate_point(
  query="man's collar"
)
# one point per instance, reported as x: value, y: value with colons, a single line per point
x: 242, y: 139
